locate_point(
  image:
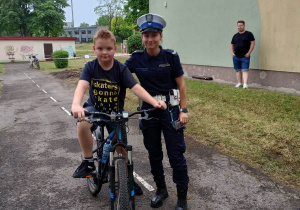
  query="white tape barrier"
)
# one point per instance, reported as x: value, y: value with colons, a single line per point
x: 86, y: 57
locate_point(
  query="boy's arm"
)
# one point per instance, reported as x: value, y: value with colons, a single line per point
x: 140, y: 92
x: 77, y: 109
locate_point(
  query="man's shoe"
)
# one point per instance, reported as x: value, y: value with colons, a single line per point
x: 85, y: 169
x: 137, y: 189
x: 239, y: 85
x: 245, y: 86
x: 159, y: 197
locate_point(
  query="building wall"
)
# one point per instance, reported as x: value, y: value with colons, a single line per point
x: 201, y: 31
x: 83, y: 34
x: 18, y: 50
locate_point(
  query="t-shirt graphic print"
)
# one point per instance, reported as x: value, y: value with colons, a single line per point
x: 105, y: 93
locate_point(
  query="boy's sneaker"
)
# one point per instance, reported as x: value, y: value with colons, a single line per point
x: 85, y: 169
x: 239, y: 85
x: 137, y: 189
x: 245, y: 86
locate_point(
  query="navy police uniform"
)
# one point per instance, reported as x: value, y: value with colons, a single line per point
x: 157, y: 75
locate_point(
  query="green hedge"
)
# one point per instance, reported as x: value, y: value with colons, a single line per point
x: 60, y: 63
x: 134, y: 43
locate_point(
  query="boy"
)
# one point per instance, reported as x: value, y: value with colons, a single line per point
x: 107, y: 80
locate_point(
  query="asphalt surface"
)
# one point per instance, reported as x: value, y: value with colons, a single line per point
x: 39, y: 152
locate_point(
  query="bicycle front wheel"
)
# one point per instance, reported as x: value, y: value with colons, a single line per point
x: 122, y: 194
x: 94, y: 183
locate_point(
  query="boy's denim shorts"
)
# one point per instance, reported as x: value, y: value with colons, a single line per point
x: 241, y: 63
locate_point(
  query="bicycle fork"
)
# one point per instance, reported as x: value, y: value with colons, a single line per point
x: 112, y: 176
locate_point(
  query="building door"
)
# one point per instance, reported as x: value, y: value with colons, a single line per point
x: 48, y: 50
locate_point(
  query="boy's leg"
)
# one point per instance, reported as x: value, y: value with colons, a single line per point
x: 86, y: 144
x: 85, y: 138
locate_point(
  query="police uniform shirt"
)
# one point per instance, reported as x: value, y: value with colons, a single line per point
x: 156, y: 73
x: 107, y: 88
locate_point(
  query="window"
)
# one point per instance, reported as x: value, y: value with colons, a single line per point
x: 83, y: 32
x: 76, y: 32
x: 89, y: 32
x: 83, y: 39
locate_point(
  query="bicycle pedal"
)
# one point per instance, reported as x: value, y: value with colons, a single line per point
x: 88, y: 176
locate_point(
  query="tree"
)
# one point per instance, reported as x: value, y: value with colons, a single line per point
x: 84, y: 24
x: 120, y: 28
x: 110, y: 8
x: 32, y: 17
x: 134, y: 9
x: 103, y: 20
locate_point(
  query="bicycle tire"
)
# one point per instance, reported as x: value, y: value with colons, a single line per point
x: 122, y: 194
x: 93, y: 183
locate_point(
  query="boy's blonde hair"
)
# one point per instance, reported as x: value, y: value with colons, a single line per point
x: 105, y: 34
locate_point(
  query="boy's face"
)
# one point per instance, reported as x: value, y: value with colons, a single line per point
x: 104, y: 49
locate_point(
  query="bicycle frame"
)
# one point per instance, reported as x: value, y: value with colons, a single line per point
x: 99, y: 177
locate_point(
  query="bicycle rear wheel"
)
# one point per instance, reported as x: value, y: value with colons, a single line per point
x: 122, y: 194
x: 94, y: 183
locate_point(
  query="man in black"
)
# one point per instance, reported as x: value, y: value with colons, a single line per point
x: 242, y: 44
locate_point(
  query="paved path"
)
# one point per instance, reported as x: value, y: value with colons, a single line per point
x: 39, y: 152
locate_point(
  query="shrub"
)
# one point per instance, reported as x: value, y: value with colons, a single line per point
x: 134, y: 43
x: 60, y: 63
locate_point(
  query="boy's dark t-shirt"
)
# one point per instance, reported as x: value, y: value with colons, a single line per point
x: 107, y: 88
x: 242, y: 43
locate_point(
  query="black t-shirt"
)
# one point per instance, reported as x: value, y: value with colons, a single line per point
x: 242, y: 43
x: 107, y: 88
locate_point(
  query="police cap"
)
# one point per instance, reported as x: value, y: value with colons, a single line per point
x: 151, y: 22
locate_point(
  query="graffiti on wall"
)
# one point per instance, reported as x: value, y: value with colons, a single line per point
x: 10, y: 51
x: 69, y: 49
x: 25, y: 50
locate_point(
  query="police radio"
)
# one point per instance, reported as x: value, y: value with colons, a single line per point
x: 174, y: 97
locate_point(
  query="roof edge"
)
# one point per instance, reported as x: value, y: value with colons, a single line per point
x: 38, y: 38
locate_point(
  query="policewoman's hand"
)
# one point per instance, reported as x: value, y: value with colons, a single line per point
x: 183, y: 117
x: 161, y: 105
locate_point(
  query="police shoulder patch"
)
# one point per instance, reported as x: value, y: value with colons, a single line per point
x: 171, y: 51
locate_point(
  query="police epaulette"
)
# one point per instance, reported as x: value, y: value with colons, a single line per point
x: 171, y: 51
x: 138, y: 51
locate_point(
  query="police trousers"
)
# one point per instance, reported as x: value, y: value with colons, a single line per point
x: 175, y: 145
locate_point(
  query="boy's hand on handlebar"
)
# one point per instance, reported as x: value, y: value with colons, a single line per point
x: 78, y: 112
x: 161, y: 105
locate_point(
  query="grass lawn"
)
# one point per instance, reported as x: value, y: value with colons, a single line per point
x: 259, y: 127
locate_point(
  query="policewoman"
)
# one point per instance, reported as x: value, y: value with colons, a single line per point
x: 160, y: 73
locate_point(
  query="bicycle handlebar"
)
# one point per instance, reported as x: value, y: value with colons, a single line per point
x: 117, y: 117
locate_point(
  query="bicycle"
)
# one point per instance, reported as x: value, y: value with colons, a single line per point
x: 122, y: 188
x: 34, y: 61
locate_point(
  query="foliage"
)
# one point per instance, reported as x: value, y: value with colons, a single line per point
x: 60, y: 63
x: 84, y: 24
x: 134, y: 9
x: 120, y: 28
x: 134, y: 43
x: 103, y: 20
x: 110, y: 8
x: 32, y: 17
